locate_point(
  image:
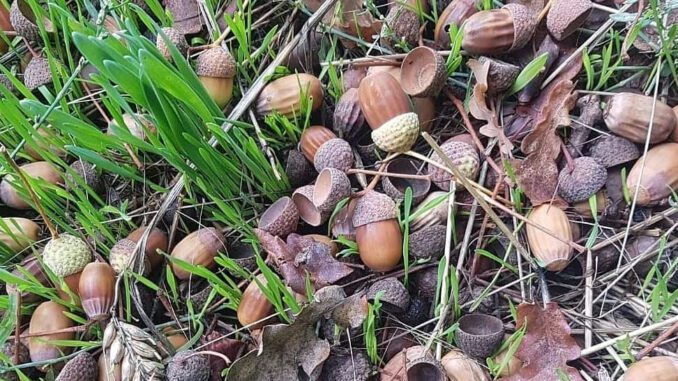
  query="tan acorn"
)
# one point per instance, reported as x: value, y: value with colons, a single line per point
x: 312, y: 138
x: 37, y: 170
x: 17, y: 233
x: 378, y: 234
x: 462, y: 154
x: 216, y: 68
x: 398, y: 134
x: 552, y: 253
x: 460, y: 367
x: 254, y: 306
x: 334, y: 153
x: 456, y: 12
x: 199, y: 249
x: 382, y: 99
x: 284, y: 95
x: 174, y: 37
x: 659, y: 368
x: 629, y: 115
x: 137, y: 124
x: 431, y: 211
x: 121, y: 255
x: 423, y: 72
x: 97, y: 289
x: 565, y: 16
x: 660, y: 174
x: 498, y: 31
x: 48, y: 317
x: 47, y: 141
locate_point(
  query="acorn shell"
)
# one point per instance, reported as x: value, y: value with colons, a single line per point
x: 479, y: 335
x: 284, y: 95
x: 553, y: 253
x: 459, y: 367
x: 17, y: 233
x: 373, y: 207
x: 393, y: 293
x: 254, y: 306
x: 659, y: 368
x: 380, y: 244
x: 312, y: 138
x: 629, y: 115
x: 157, y: 241
x: 428, y: 242
x: 215, y: 62
x: 176, y: 38
x: 298, y: 169
x: 48, y: 317
x: 500, y: 76
x: 524, y: 24
x: 303, y: 199
x: 39, y: 169
x: 565, y: 16
x: 586, y: 178
x: 423, y: 72
x: 348, y: 116
x: 396, y: 187
x: 82, y: 367
x: 612, y: 150
x: 137, y: 125
x: 463, y: 155
x: 382, y: 99
x: 281, y: 218
x: 199, y: 249
x: 97, y: 289
x: 397, y: 134
x: 334, y: 153
x: 660, y: 174
x: 331, y: 187
x: 37, y: 73
x: 456, y: 12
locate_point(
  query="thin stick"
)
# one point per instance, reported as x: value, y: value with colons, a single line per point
x: 354, y: 171
x: 664, y: 335
x: 544, y: 11
x: 630, y: 335
x: 264, y: 147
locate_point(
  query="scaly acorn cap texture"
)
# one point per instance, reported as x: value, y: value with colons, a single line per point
x: 587, y: 178
x: 462, y: 154
x: 121, y: 253
x: 87, y: 172
x: 186, y: 365
x: 401, y: 23
x: 394, y: 293
x: 373, y: 207
x: 37, y: 73
x: 429, y: 242
x: 612, y: 150
x: 334, y: 153
x: 22, y: 25
x: 215, y: 62
x: 500, y: 76
x: 524, y: 24
x: 398, y: 134
x: 9, y: 349
x: 565, y: 16
x: 66, y: 255
x: 82, y: 367
x: 175, y: 37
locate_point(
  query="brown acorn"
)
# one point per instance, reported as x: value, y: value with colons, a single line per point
x: 48, y: 317
x: 428, y: 242
x: 456, y: 12
x: 37, y: 170
x: 396, y: 187
x: 137, y: 124
x: 312, y: 138
x: 659, y: 368
x: 284, y: 95
x: 552, y: 253
x: 382, y: 99
x: 17, y: 355
x: 303, y: 199
x: 660, y: 174
x: 612, y: 150
x: 348, y: 116
x: 331, y: 187
x: 629, y: 115
x: 216, y: 68
x: 463, y: 155
x: 37, y: 73
x: 198, y: 248
x: 82, y: 367
x: 17, y: 233
x: 5, y: 26
x: 423, y: 72
x: 32, y: 266
x: 565, y: 16
x: 498, y: 31
x: 254, y: 306
x: 281, y: 218
x: 48, y: 140
x: 500, y: 76
x: 431, y: 211
x: 460, y: 367
x: 23, y: 20
x: 121, y: 255
x: 378, y: 234
x: 83, y: 172
x: 157, y: 241
x: 97, y: 289
x: 176, y: 38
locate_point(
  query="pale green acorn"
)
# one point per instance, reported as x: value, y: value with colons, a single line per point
x: 66, y: 255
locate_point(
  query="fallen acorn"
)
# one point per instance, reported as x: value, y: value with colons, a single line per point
x: 44, y: 139
x: 97, y: 290
x: 23, y: 21
x: 463, y: 155
x: 299, y: 170
x: 612, y: 150
x: 37, y: 73
x: 83, y: 173
x: 121, y: 255
x: 431, y: 211
x: 48, y: 317
x: 281, y: 218
x: 198, y: 249
x: 428, y: 242
x: 66, y: 255
x: 565, y: 16
x: 82, y: 367
x: 174, y: 37
x: 33, y: 267
x: 308, y: 212
x: 659, y: 368
x: 630, y: 115
x: 254, y: 307
x: 498, y: 31
x: 552, y: 253
x: 331, y: 187
x: 216, y: 69
x: 479, y: 335
x: 188, y: 365
x: 456, y: 12
x: 460, y: 367
x: 37, y: 170
x: 423, y: 72
x: 312, y: 138
x: 17, y: 355
x: 137, y: 125
x: 401, y: 24
x: 393, y: 294
x: 157, y: 241
x: 586, y: 178
x: 284, y: 95
x: 17, y: 234
x: 378, y: 235
x: 659, y: 174
x: 334, y: 153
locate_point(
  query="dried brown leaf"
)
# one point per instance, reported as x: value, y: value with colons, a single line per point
x: 547, y: 345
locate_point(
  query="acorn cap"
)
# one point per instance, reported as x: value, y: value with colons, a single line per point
x: 393, y: 293
x: 396, y: 187
x: 23, y: 20
x: 479, y: 335
x: 66, y: 255
x: 5, y: 81
x: 587, y: 178
x: 37, y: 73
x: 612, y: 150
x: 353, y: 366
x: 398, y: 134
x: 524, y: 24
x: 565, y: 16
x: 331, y: 187
x: 175, y: 37
x: 121, y: 254
x: 417, y: 312
x: 401, y: 23
x: 281, y: 218
x: 428, y: 242
x: 501, y: 75
x: 433, y: 215
x: 426, y: 282
x: 215, y: 62
x: 8, y: 349
x: 299, y: 170
x: 348, y: 116
x: 187, y: 365
x: 82, y: 367
x: 425, y: 369
x: 303, y: 199
x: 334, y: 153
x: 463, y: 155
x: 87, y: 172
x: 423, y: 72
x: 373, y: 207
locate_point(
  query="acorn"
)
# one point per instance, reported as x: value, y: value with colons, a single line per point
x: 583, y: 207
x: 37, y: 170
x: 121, y: 254
x: 82, y: 367
x: 312, y: 138
x: 629, y: 115
x: 334, y: 153
x: 48, y: 141
x: 423, y: 72
x: 498, y: 31
x: 199, y: 249
x: 674, y: 134
x: 137, y: 124
x: 17, y: 233
x: 660, y: 174
x: 378, y: 235
x: 331, y: 187
x: 431, y: 211
x: 66, y: 255
x: 659, y: 368
x: 176, y: 38
x: 157, y: 241
x: 216, y: 68
x: 188, y: 365
x: 254, y: 306
x: 512, y: 366
x: 425, y: 369
x: 460, y: 367
x: 107, y: 371
x: 401, y: 24
x: 304, y: 58
x: 351, y: 77
x: 464, y: 156
x: 97, y: 289
x: 500, y: 76
x: 398, y: 134
x: 395, y: 187
x: 303, y: 199
x: 348, y: 116
x: 37, y: 73
x: 479, y: 335
x: 393, y: 294
x: 612, y: 150
x: 551, y: 253
x: 281, y: 218
x: 284, y: 95
x: 565, y: 16
x: 299, y: 170
x: 5, y: 26
x: 456, y: 12
x: 5, y: 81
x: 32, y: 266
x: 86, y: 75
x: 48, y: 317
x: 587, y: 178
x: 84, y: 172
x: 343, y: 221
x: 428, y: 242
x: 9, y: 350
x: 23, y: 20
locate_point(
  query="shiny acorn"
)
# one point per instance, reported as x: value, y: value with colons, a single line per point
x: 216, y: 69
x: 659, y: 368
x: 629, y: 115
x: 37, y: 170
x: 498, y: 31
x: 97, y: 289
x: 378, y: 234
x: 254, y: 306
x: 660, y: 174
x: 199, y: 249
x: 284, y: 95
x: 382, y: 99
x: 18, y: 233
x: 552, y: 253
x: 157, y: 241
x: 456, y: 12
x: 48, y: 317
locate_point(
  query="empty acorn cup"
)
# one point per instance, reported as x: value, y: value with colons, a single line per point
x: 244, y: 255
x: 394, y: 294
x: 23, y: 20
x: 281, y: 218
x: 303, y: 199
x: 331, y: 187
x: 423, y: 72
x: 425, y: 369
x: 395, y: 187
x: 479, y: 335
